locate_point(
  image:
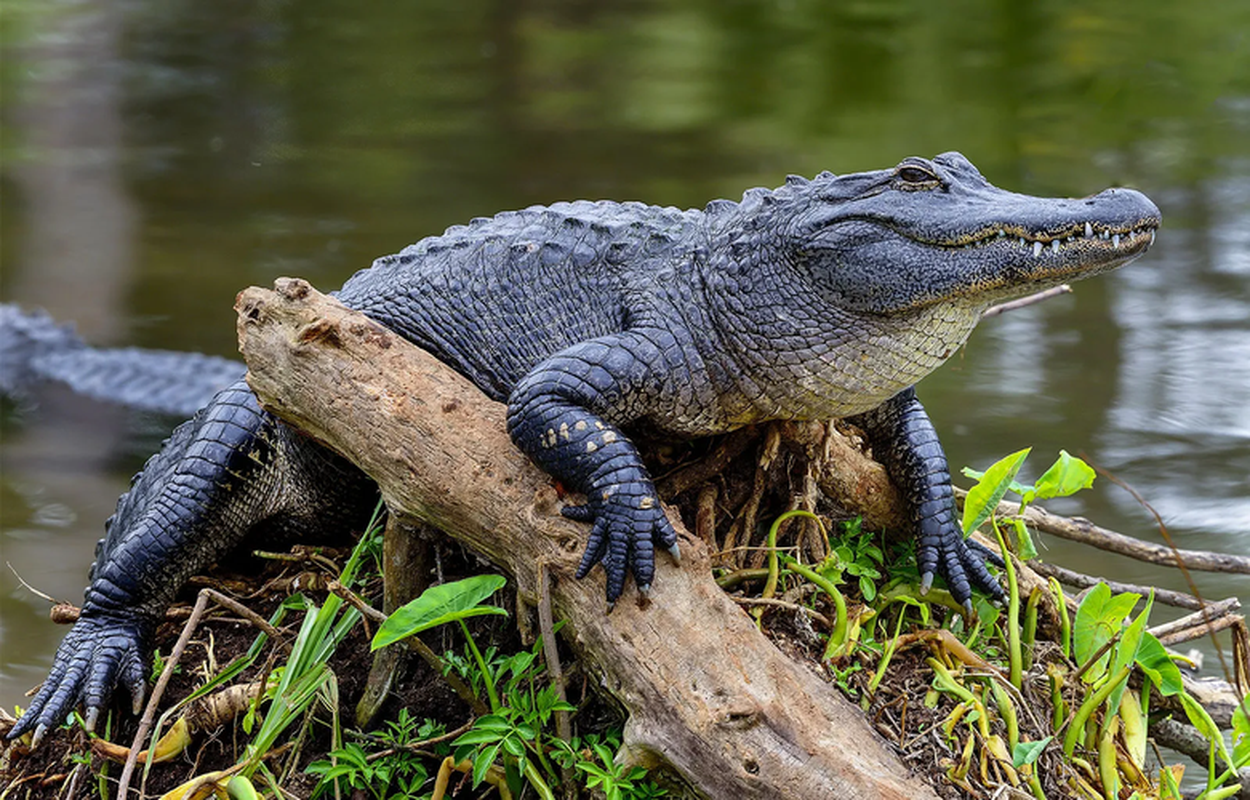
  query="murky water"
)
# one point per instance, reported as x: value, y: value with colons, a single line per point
x: 158, y: 157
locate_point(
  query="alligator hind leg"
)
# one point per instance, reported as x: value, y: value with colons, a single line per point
x: 230, y: 469
x: 904, y: 441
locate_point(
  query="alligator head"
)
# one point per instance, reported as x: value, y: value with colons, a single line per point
x: 832, y: 295
x: 936, y: 231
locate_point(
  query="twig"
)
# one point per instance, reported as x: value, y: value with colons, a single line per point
x: 768, y: 601
x: 1082, y: 530
x: 149, y: 713
x: 690, y: 476
x: 1028, y: 300
x: 245, y: 612
x: 1208, y: 628
x: 551, y: 654
x: 1168, y: 597
x: 414, y: 747
x: 30, y: 588
x: 1213, y: 611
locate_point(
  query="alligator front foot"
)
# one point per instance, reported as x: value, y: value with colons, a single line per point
x: 624, y: 531
x: 944, y: 551
x: 100, y: 652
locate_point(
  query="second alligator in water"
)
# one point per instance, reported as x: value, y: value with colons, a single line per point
x: 825, y: 298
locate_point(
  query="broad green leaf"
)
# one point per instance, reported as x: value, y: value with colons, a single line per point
x: 477, y: 736
x: 1068, y: 475
x: 483, y: 762
x: 1241, y: 733
x: 514, y: 746
x: 1015, y: 487
x: 1028, y: 752
x: 1126, y: 652
x: 439, y: 605
x: 867, y: 588
x: 1099, y: 617
x: 983, y: 498
x: 1153, y: 659
x: 240, y: 788
x: 1200, y: 719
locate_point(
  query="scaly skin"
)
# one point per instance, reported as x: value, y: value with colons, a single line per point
x: 33, y: 348
x: 824, y: 298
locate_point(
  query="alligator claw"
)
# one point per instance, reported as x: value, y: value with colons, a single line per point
x: 675, y: 552
x: 623, y: 537
x: 98, y: 653
x: 961, y: 563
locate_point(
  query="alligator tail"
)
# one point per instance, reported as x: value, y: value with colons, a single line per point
x: 34, y: 348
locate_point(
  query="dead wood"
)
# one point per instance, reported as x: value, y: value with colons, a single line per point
x: 1082, y: 530
x: 705, y: 691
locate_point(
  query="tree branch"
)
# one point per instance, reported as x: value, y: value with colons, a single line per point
x: 705, y: 690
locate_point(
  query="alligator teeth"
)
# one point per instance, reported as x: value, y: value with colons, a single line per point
x: 1022, y: 242
x: 1054, y: 245
x: 1106, y: 234
x: 1037, y: 249
x: 1152, y: 237
x: 1089, y: 230
x: 1115, y: 240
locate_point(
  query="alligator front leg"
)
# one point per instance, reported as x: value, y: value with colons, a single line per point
x: 903, y: 439
x: 564, y: 416
x: 220, y: 475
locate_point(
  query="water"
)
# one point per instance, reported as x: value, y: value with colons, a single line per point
x: 158, y: 157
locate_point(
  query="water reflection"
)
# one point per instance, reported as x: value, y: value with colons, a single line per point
x: 160, y: 156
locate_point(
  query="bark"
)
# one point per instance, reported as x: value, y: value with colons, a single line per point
x: 705, y: 691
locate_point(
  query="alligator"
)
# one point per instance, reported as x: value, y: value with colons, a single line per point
x: 823, y: 298
x: 34, y: 349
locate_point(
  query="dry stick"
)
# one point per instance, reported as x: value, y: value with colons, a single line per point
x: 422, y: 649
x: 1086, y: 532
x: 1080, y: 580
x: 1215, y: 610
x: 684, y: 478
x: 1208, y: 628
x: 551, y: 654
x: 768, y: 601
x: 1028, y: 300
x: 149, y: 713
x: 245, y: 612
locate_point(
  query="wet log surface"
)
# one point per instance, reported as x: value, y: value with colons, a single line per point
x: 704, y: 690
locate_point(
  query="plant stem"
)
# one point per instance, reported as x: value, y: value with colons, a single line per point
x: 487, y: 678
x: 1013, y: 611
x: 838, y: 638
x: 1092, y: 702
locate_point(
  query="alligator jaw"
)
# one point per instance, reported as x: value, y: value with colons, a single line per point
x: 1032, y: 261
x: 1091, y: 236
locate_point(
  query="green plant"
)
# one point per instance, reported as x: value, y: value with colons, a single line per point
x: 856, y: 555
x: 617, y: 782
x: 394, y: 772
x: 306, y: 674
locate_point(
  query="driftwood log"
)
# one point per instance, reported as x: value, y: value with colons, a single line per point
x: 705, y: 691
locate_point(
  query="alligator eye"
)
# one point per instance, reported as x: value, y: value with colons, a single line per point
x: 916, y: 175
